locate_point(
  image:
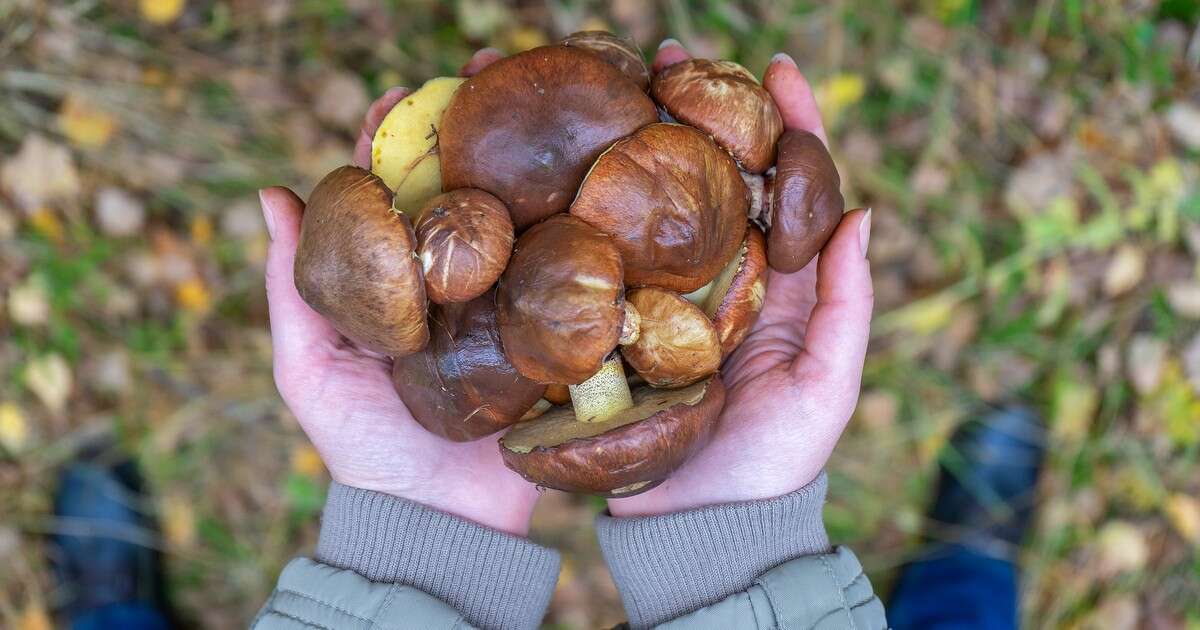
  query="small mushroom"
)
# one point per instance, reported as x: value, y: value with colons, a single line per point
x: 527, y: 127
x: 626, y: 453
x: 673, y: 202
x: 734, y: 298
x: 462, y: 386
x: 622, y: 53
x: 356, y: 264
x: 725, y: 100
x: 800, y: 204
x: 464, y: 239
x: 678, y: 344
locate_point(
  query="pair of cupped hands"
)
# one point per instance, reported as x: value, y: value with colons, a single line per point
x: 791, y: 386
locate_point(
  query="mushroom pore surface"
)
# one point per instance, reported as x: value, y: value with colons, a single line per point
x: 464, y: 239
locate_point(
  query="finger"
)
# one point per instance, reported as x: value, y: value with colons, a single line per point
x: 294, y: 325
x: 375, y: 115
x: 794, y: 96
x: 835, y: 344
x: 670, y: 52
x: 482, y: 58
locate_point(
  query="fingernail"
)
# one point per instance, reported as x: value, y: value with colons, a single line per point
x: 782, y: 57
x: 489, y: 50
x: 670, y: 41
x: 864, y: 232
x: 268, y: 214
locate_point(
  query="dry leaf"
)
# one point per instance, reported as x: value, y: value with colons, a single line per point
x: 1075, y: 405
x: 1183, y: 512
x: 119, y: 213
x: 45, y: 222
x: 305, y: 460
x: 14, y: 429
x: 49, y: 378
x: 1144, y: 362
x: 193, y: 296
x: 1183, y: 119
x: 1121, y: 548
x: 178, y: 521
x: 202, y: 230
x: 28, y: 304
x: 34, y: 617
x: 1184, y: 298
x: 1124, y: 271
x: 161, y: 11
x: 42, y: 172
x: 84, y: 125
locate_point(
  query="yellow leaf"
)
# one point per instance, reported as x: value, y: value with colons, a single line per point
x: 49, y: 378
x: 83, y: 124
x: 28, y: 304
x: 202, y: 229
x: 193, y: 296
x: 594, y: 23
x: 1121, y: 547
x: 1183, y: 512
x: 839, y: 92
x: 34, y: 617
x: 178, y: 521
x: 44, y: 222
x: 14, y: 430
x: 161, y: 11
x: 524, y: 38
x: 306, y: 461
x: 1075, y: 405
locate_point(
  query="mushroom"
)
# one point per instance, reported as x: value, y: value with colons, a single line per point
x: 800, y: 203
x: 356, y: 264
x: 623, y: 454
x: 404, y: 150
x: 462, y: 386
x: 558, y: 394
x: 464, y: 238
x: 622, y: 53
x: 678, y: 345
x: 725, y: 100
x: 527, y: 127
x: 734, y: 298
x: 672, y: 201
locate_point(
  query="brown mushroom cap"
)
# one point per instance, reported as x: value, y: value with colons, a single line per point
x: 560, y: 301
x: 464, y: 239
x: 678, y: 344
x: 462, y: 386
x: 673, y: 202
x: 356, y: 264
x: 725, y: 100
x: 734, y: 298
x: 527, y: 127
x: 629, y: 453
x: 622, y: 53
x: 558, y: 394
x: 806, y: 201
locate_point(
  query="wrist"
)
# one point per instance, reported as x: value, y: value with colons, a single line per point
x: 689, y: 490
x: 503, y: 507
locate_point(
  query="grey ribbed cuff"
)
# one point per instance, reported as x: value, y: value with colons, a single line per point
x: 670, y: 565
x: 494, y: 579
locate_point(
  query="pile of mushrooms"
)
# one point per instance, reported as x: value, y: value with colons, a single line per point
x: 566, y: 248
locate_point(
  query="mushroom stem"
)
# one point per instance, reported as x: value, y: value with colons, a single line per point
x: 604, y: 394
x: 760, y: 209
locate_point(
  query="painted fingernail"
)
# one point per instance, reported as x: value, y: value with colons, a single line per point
x: 864, y: 232
x: 782, y: 57
x: 670, y: 41
x: 268, y: 214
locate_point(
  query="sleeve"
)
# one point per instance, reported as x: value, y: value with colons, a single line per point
x: 756, y: 564
x: 394, y: 563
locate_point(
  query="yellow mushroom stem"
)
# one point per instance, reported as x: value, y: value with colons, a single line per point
x: 606, y: 393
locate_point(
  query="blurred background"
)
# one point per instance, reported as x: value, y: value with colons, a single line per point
x: 1032, y: 165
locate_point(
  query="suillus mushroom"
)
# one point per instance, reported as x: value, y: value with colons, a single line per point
x: 673, y: 202
x: 735, y: 297
x: 527, y: 127
x: 356, y: 264
x: 677, y: 345
x: 404, y: 150
x: 800, y: 204
x: 627, y: 452
x: 726, y: 101
x: 464, y: 239
x: 462, y: 386
x: 622, y: 53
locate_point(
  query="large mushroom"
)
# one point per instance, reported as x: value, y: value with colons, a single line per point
x: 725, y: 100
x: 464, y: 239
x: 356, y: 264
x: 800, y: 203
x: 527, y: 127
x: 622, y: 53
x: 462, y: 386
x: 673, y: 202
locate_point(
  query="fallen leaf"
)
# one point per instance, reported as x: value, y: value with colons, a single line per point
x: 306, y: 461
x: 34, y: 617
x: 178, y: 521
x: 42, y: 172
x: 1183, y: 119
x: 523, y: 38
x: 479, y: 19
x: 838, y: 92
x: 202, y: 230
x: 1144, y: 362
x: 83, y: 124
x: 161, y: 11
x: 45, y: 222
x: 1183, y: 512
x: 28, y: 304
x: 1125, y: 270
x: 1116, y: 612
x: 49, y: 378
x: 193, y: 296
x: 119, y: 213
x: 109, y: 372
x: 1121, y: 548
x: 1075, y: 405
x: 14, y: 429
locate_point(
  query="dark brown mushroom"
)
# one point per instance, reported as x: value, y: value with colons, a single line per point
x: 673, y: 202
x: 462, y: 386
x: 464, y: 239
x: 624, y: 454
x: 356, y: 264
x: 735, y: 297
x: 678, y: 345
x: 527, y: 127
x: 622, y: 53
x: 725, y: 100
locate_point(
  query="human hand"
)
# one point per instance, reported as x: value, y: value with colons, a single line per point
x: 343, y: 398
x: 793, y: 383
